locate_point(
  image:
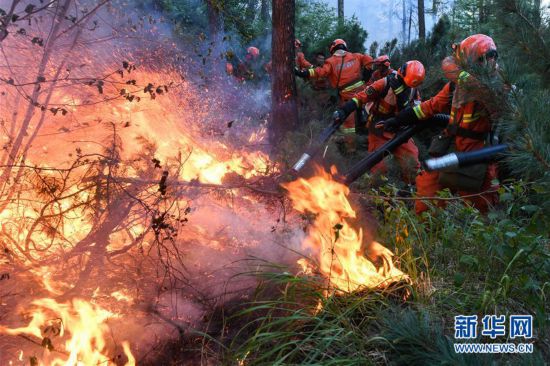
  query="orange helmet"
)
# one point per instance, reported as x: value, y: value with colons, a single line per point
x: 412, y: 73
x: 297, y: 43
x: 253, y: 52
x: 336, y: 43
x: 382, y: 60
x: 476, y: 48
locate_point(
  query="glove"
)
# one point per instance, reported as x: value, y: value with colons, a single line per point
x: 342, y: 113
x: 339, y: 116
x: 304, y: 74
x: 390, y: 125
x: 406, y: 117
x: 395, y: 82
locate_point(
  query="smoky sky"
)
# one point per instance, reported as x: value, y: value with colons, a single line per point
x: 383, y: 18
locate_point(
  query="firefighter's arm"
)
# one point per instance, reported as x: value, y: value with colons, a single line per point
x: 370, y: 93
x: 344, y: 111
x: 320, y: 72
x: 360, y: 99
x: 440, y: 103
x: 411, y: 115
x: 301, y: 61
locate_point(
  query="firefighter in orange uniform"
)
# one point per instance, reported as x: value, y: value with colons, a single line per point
x: 389, y: 95
x: 248, y: 69
x: 382, y: 68
x: 344, y: 71
x: 473, y: 108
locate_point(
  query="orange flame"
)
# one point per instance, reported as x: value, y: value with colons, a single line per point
x: 169, y: 129
x: 338, y: 245
x: 81, y: 324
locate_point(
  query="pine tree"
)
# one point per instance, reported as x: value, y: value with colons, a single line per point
x: 523, y: 44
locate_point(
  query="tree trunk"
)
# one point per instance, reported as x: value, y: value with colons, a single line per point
x: 264, y: 12
x: 283, y: 89
x: 341, y: 11
x: 214, y: 19
x: 404, y: 23
x: 250, y: 11
x: 537, y: 11
x: 410, y: 24
x: 391, y: 17
x: 481, y: 10
x: 421, y: 21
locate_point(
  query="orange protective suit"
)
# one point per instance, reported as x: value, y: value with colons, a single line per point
x: 388, y: 96
x: 344, y: 71
x: 470, y: 124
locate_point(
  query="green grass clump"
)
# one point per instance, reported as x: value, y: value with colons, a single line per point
x: 459, y: 261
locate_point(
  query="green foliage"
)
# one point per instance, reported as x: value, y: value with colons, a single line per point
x: 303, y: 326
x: 523, y: 35
x: 459, y: 262
x: 430, y: 52
x: 317, y: 26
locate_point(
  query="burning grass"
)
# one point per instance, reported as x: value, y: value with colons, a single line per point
x: 72, y: 333
x: 340, y: 248
x: 291, y: 319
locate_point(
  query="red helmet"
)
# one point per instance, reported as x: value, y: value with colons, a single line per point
x: 336, y: 43
x: 412, y: 73
x: 476, y: 48
x: 253, y: 52
x: 297, y: 43
x: 382, y: 60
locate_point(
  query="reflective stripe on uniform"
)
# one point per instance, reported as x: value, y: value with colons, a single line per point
x: 463, y: 76
x: 399, y: 90
x: 419, y: 113
x: 311, y: 72
x: 357, y: 102
x: 473, y: 118
x: 353, y: 86
x: 347, y: 130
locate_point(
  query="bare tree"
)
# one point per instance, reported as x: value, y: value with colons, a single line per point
x: 214, y: 18
x: 341, y: 11
x: 404, y: 21
x: 284, y: 108
x: 264, y: 11
x: 391, y: 16
x: 421, y: 21
x: 250, y: 11
x: 410, y: 24
x: 536, y: 6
